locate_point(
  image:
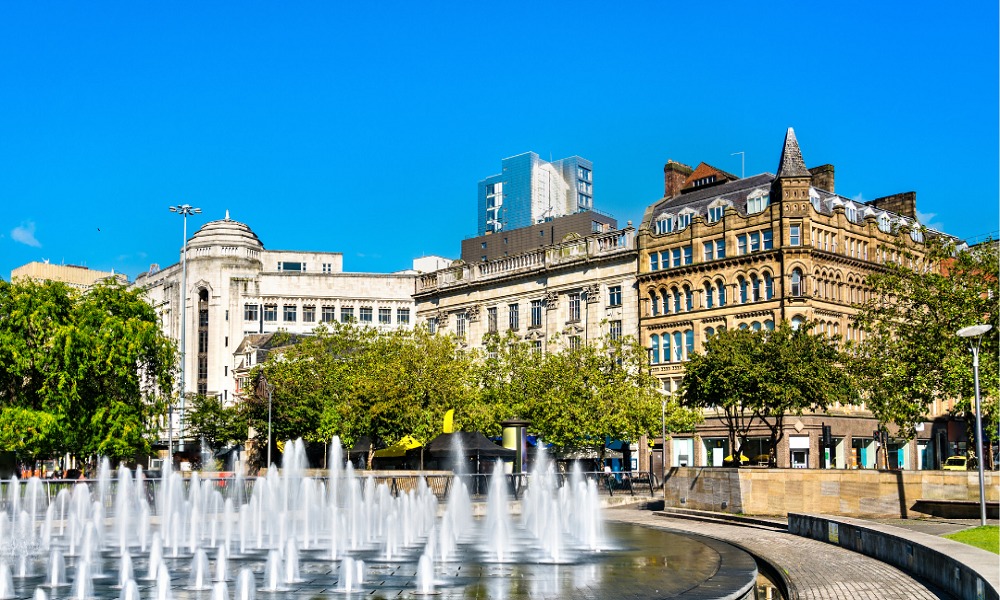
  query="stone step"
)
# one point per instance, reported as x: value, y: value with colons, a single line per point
x: 772, y: 524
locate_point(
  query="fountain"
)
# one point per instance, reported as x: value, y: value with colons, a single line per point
x: 123, y: 535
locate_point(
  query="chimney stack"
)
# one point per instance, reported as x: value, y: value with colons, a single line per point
x: 674, y: 176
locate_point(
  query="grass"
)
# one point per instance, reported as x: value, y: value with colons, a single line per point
x: 987, y: 538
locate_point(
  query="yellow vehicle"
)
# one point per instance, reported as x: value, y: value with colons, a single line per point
x: 956, y: 463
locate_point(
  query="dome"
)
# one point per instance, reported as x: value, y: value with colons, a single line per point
x: 225, y: 232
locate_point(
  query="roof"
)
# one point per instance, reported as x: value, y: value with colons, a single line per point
x: 472, y: 443
x: 791, y: 163
x: 225, y: 232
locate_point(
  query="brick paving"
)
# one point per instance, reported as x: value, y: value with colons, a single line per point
x: 813, y: 569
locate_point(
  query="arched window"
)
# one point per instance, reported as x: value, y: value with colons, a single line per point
x: 654, y: 349
x: 721, y: 287
x: 755, y: 326
x: 689, y: 343
x: 666, y: 301
x: 709, y: 295
x: 743, y: 289
x: 755, y: 287
x: 768, y: 286
x: 709, y: 332
x: 743, y: 326
x: 678, y: 347
x: 654, y: 303
x: 688, y: 299
x: 666, y: 347
x: 884, y: 223
x: 797, y: 322
x: 769, y: 325
x: 796, y: 282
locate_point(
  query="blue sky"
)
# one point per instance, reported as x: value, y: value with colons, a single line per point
x: 364, y: 129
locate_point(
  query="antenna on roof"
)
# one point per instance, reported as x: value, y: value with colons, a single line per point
x: 743, y: 168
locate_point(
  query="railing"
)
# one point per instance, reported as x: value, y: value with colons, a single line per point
x: 634, y: 483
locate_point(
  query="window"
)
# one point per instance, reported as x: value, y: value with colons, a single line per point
x: 688, y: 299
x: 250, y: 312
x: 385, y: 316
x: 460, y: 320
x: 797, y: 322
x: 665, y: 224
x: 328, y: 314
x: 614, y: 295
x: 757, y: 202
x: 365, y: 314
x: 666, y: 347
x: 721, y: 287
x: 883, y: 223
x: 202, y: 341
x: 715, y: 213
x: 794, y: 235
x: 574, y: 342
x: 755, y: 287
x: 402, y: 316
x: 683, y: 220
x: 677, y: 300
x: 289, y: 313
x: 596, y: 226
x: 308, y: 314
x: 536, y: 314
x: 741, y: 245
x: 768, y: 286
x: 227, y: 315
x: 709, y: 250
x: 755, y: 242
x: 675, y: 257
x: 654, y: 261
x: 432, y: 325
x: 769, y: 325
x: 654, y: 304
x: 491, y: 319
x: 615, y: 330
x: 536, y: 347
x: 291, y: 266
x: 688, y: 255
x: 720, y: 248
x: 796, y: 282
x: 678, y: 347
x: 574, y: 306
x: 483, y: 245
x: 346, y: 314
x: 768, y: 240
x: 850, y: 212
x: 709, y: 332
x: 270, y: 312
x: 202, y: 368
x: 709, y: 296
x: 654, y: 349
x: 513, y: 322
x: 743, y: 289
x: 328, y: 267
x: 203, y: 317
x: 689, y: 343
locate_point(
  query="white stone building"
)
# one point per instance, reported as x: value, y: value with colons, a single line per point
x: 235, y: 288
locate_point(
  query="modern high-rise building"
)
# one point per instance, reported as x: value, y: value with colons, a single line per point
x: 529, y: 190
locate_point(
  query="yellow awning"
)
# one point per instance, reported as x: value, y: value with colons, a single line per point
x: 399, y: 448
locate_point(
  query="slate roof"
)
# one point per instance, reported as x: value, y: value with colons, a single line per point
x: 791, y: 163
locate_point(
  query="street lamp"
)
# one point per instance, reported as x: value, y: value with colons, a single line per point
x: 264, y: 387
x: 975, y: 336
x: 184, y: 210
x: 663, y: 436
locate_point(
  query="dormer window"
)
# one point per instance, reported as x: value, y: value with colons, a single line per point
x: 916, y: 234
x: 883, y: 223
x: 757, y: 201
x: 684, y: 220
x: 716, y: 210
x: 665, y: 224
x: 815, y: 199
x: 851, y: 213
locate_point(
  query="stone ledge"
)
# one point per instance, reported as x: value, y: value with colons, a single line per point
x: 963, y: 571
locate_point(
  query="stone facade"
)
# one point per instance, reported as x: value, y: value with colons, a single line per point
x: 723, y: 252
x: 236, y: 288
x: 572, y: 292
x: 74, y: 276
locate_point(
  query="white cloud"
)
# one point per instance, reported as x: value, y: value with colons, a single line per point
x: 927, y: 220
x: 25, y: 233
x: 859, y: 199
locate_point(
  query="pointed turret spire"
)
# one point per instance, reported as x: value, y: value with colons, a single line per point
x: 791, y: 163
x: 227, y: 214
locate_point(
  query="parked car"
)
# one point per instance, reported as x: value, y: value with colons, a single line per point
x: 956, y: 463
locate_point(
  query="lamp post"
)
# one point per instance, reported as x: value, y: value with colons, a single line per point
x: 184, y: 210
x: 975, y: 336
x: 263, y: 387
x: 663, y: 436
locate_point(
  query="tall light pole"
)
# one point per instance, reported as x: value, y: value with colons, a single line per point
x: 184, y: 210
x: 975, y: 336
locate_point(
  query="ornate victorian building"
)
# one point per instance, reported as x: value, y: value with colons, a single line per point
x: 720, y: 252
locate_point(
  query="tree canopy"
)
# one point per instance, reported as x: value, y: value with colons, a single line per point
x: 91, y: 369
x: 910, y: 355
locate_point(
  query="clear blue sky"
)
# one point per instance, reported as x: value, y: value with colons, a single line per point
x: 364, y: 129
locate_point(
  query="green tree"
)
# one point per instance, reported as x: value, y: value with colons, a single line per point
x: 209, y: 418
x: 29, y: 433
x: 762, y: 376
x: 910, y: 354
